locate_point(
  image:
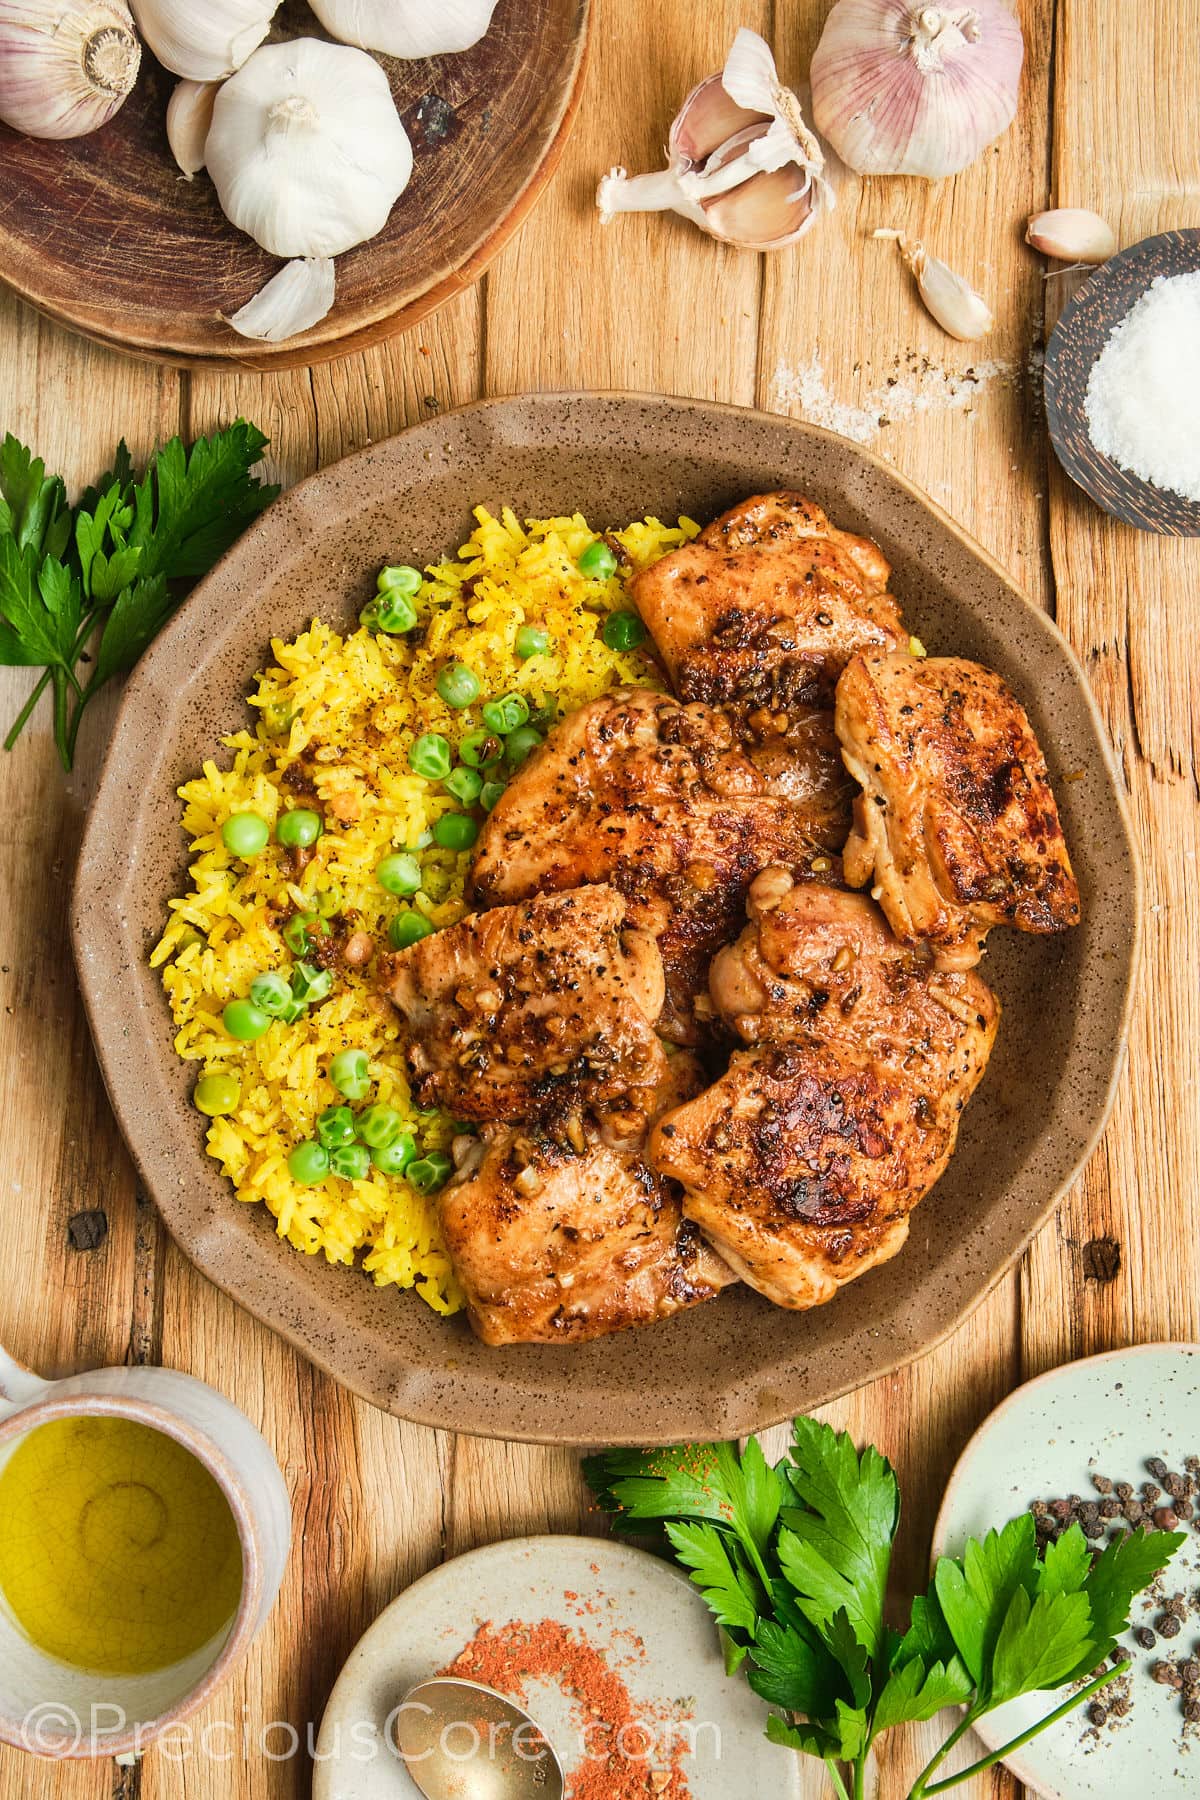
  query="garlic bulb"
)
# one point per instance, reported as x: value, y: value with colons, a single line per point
x: 407, y: 27
x: 292, y: 301
x: 189, y: 116
x: 1070, y: 234
x: 952, y: 300
x: 204, y: 39
x: 901, y: 87
x: 66, y: 66
x: 306, y: 151
x: 742, y: 163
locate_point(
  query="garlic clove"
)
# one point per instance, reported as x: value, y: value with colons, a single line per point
x: 904, y: 87
x: 950, y: 298
x: 1071, y: 234
x: 293, y: 301
x: 307, y: 151
x: 719, y: 185
x: 65, y: 70
x: 707, y: 119
x: 408, y: 28
x: 204, y: 41
x: 189, y: 118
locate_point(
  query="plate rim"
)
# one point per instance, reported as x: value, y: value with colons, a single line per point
x: 381, y: 324
x: 761, y: 1410
x: 1016, y: 1764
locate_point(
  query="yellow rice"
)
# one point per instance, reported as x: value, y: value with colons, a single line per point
x: 355, y: 704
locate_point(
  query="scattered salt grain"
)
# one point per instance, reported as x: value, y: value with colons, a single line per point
x: 1143, y: 395
x: 917, y: 386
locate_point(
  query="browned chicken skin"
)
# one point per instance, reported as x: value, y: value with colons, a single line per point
x: 760, y: 615
x: 654, y: 797
x: 558, y: 1242
x: 956, y: 827
x: 533, y: 1011
x: 803, y: 1163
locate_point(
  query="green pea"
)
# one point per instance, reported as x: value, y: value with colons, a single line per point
x: 598, y: 562
x: 310, y: 984
x: 491, y: 793
x: 271, y: 993
x: 399, y: 578
x: 217, y: 1093
x: 299, y: 829
x: 531, y: 640
x: 349, y: 1073
x: 507, y: 714
x: 246, y: 835
x: 294, y: 1009
x: 480, y: 749
x: 455, y: 831
x: 297, y: 932
x: 430, y: 1172
x: 430, y: 756
x: 393, y: 1159
x: 465, y: 785
x: 277, y: 719
x: 457, y: 685
x: 623, y: 631
x: 379, y: 1126
x: 398, y: 873
x: 394, y: 613
x: 329, y: 901
x: 309, y: 1163
x: 351, y: 1161
x: 409, y: 928
x: 520, y: 745
x: 335, y: 1127
x: 243, y: 1020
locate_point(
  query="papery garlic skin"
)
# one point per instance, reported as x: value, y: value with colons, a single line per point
x: 204, y: 40
x: 742, y: 163
x: 408, y: 28
x: 66, y: 66
x: 904, y: 88
x: 294, y: 300
x: 949, y: 297
x: 1072, y: 234
x: 189, y: 119
x: 307, y: 151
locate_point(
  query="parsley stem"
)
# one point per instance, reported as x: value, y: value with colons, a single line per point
x: 987, y: 1762
x: 860, y: 1777
x: 836, y: 1778
x: 26, y: 713
x: 960, y: 1730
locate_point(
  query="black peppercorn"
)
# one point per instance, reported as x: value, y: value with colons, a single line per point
x: 1156, y: 1466
x: 1168, y: 1626
x: 1098, y: 1714
x: 1102, y: 1484
x: 1145, y: 1637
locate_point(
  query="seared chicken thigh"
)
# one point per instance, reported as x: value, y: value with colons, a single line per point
x: 762, y: 613
x: 654, y: 797
x: 803, y: 1163
x: 554, y: 1245
x: 532, y: 1011
x: 956, y: 828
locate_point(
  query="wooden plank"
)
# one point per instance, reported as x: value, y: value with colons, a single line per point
x: 60, y: 1308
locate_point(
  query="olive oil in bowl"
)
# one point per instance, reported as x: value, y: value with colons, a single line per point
x: 118, y: 1550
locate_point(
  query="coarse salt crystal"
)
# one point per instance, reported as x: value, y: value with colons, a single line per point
x: 1143, y: 395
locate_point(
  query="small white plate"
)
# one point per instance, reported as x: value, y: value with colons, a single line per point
x: 645, y: 1616
x: 1106, y: 1414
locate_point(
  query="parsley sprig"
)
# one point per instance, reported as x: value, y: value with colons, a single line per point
x: 85, y: 588
x: 794, y: 1561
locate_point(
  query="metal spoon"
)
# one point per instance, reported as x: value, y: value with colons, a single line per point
x: 462, y: 1741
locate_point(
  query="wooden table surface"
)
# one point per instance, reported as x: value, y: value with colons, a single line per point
x: 650, y: 304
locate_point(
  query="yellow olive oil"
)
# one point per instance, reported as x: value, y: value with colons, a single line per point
x: 118, y: 1550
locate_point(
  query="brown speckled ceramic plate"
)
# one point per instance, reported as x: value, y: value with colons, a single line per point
x: 738, y: 1363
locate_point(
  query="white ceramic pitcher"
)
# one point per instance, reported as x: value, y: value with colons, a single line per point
x: 56, y: 1710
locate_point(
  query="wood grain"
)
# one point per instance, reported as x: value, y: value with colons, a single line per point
x: 650, y: 303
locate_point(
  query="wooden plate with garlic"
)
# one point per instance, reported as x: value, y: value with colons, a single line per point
x: 452, y: 120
